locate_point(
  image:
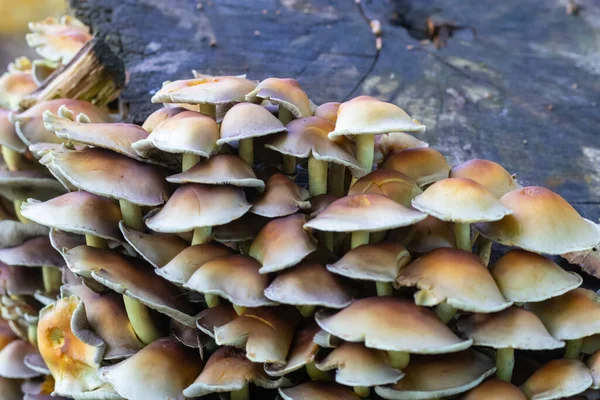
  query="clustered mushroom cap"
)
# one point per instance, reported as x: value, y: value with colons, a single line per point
x: 422, y: 165
x: 558, y: 379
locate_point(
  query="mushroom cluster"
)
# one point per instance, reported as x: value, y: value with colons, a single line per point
x: 245, y: 243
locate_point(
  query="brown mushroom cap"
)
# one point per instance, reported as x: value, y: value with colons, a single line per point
x: 593, y: 363
x: 77, y: 212
x: 422, y: 165
x: 13, y: 233
x: 487, y: 173
x: 58, y: 39
x: 20, y: 281
x: 8, y: 134
x: 495, y: 389
x: 159, y: 116
x: 573, y: 315
x: 194, y: 205
x: 12, y: 360
x: 16, y: 83
x: 157, y: 249
x: 440, y: 276
x: 165, y: 359
x: 17, y: 185
x: 36, y: 252
x: 429, y: 377
x: 329, y: 111
x: 528, y: 277
x: 247, y: 120
x: 514, y: 327
x: 320, y: 390
x: 282, y: 233
x: 542, y: 222
x: 398, y: 141
x: 242, y: 229
x: 588, y: 260
x: 428, y: 235
x: 296, y: 286
x: 364, y: 212
x: 213, y: 317
x: 285, y: 92
x: 302, y: 351
x: 367, y: 115
x: 386, y: 182
x: 460, y: 200
x: 282, y: 197
x: 205, y: 90
x: 222, y: 169
x: 387, y: 323
x: 558, y: 379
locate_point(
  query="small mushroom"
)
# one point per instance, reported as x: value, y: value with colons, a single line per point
x: 241, y: 231
x: 157, y: 249
x: 558, y: 379
x: 58, y: 40
x: 12, y: 146
x: 159, y: 116
x: 13, y: 233
x: 495, y: 389
x: 487, y: 173
x: 282, y: 197
x: 396, y: 142
x: 16, y: 83
x: 427, y: 235
x: 318, y: 390
x: 422, y: 165
x: 12, y: 360
x: 180, y: 269
x: 386, y: 182
x: 329, y: 111
x: 593, y: 363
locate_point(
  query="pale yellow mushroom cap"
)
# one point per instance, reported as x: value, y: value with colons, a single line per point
x: 320, y: 390
x: 329, y: 111
x: 281, y: 197
x: 302, y: 351
x: 285, y: 92
x: 58, y: 40
x: 181, y: 268
x: 392, y: 184
x: 422, y: 165
x: 558, y: 379
x: 205, y: 90
x: 495, y: 389
x: 487, y: 173
x: 8, y: 134
x: 247, y: 120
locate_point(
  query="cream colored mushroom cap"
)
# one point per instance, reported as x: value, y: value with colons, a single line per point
x: 302, y: 351
x: 285, y: 92
x: 364, y: 212
x: 398, y: 141
x: 387, y: 182
x: 387, y: 323
x: 205, y: 90
x: 159, y: 116
x: 366, y: 115
x: 528, y: 277
x: 423, y: 165
x: 318, y: 390
x: 282, y: 197
x: 460, y: 200
x: 495, y: 389
x: 558, y: 379
x: 247, y: 120
x: 16, y: 83
x: 8, y: 134
x: 12, y: 360
x: 440, y: 276
x: 593, y: 363
x: 58, y: 39
x: 181, y: 268
x: 487, y: 173
x: 329, y: 111
x: 542, y: 222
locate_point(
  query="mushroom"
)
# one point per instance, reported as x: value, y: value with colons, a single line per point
x: 12, y: 360
x: 495, y: 389
x: 422, y: 165
x: 395, y: 142
x: 558, y: 379
x: 329, y: 111
x: 157, y: 249
x: 427, y: 235
x: 240, y: 232
x: 16, y: 83
x: 13, y: 233
x: 42, y: 69
x: 104, y: 392
x: 159, y: 116
x: 58, y: 40
x: 12, y: 146
x: 160, y: 371
x: 507, y: 330
x: 180, y: 269
x: 386, y: 182
x: 18, y: 281
x: 282, y: 197
x: 594, y: 366
x: 318, y: 390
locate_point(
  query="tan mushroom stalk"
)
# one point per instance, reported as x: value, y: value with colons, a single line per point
x: 423, y: 165
x: 513, y: 328
x: 558, y: 379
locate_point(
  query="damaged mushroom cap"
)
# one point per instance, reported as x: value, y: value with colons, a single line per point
x: 398, y: 141
x: 222, y: 169
x: 528, y: 277
x: 429, y: 377
x: 282, y: 197
x: 72, y: 360
x: 18, y: 185
x: 573, y: 315
x: 247, y: 120
x: 487, y: 173
x: 285, y: 92
x: 29, y: 124
x: 321, y: 390
x: 541, y: 222
x: 367, y: 115
x: 495, y: 389
x: 282, y: 234
x: 157, y: 249
x: 422, y: 165
x: 195, y: 205
x: 16, y: 83
x: 58, y: 40
x: 364, y: 212
x: 428, y: 235
x: 12, y: 360
x: 77, y: 212
x: 13, y: 233
x: 296, y: 286
x: 37, y: 252
x: 159, y: 116
x: 8, y: 134
x: 329, y: 111
x: 511, y: 328
x: 460, y: 200
x: 386, y: 182
x: 235, y: 278
x: 308, y: 137
x: 205, y: 90
x: 229, y: 370
x: 593, y: 363
x: 374, y: 262
x: 20, y: 281
x: 357, y: 365
x: 166, y: 359
x: 558, y: 379
x: 387, y: 323
x: 302, y: 351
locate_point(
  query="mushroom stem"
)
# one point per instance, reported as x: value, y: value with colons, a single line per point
x: 359, y: 238
x: 240, y: 310
x: 485, y: 250
x: 399, y: 359
x: 12, y: 158
x: 505, y: 362
x: 208, y: 109
x: 285, y: 115
x: 307, y: 311
x: 317, y: 176
x: 52, y: 279
x: 141, y: 321
x: 365, y: 147
x: 289, y: 165
x: 316, y: 374
x: 463, y: 236
x: 188, y: 161
x: 132, y: 215
x: 242, y: 394
x: 377, y: 237
x: 95, y: 241
x: 384, y: 288
x: 362, y: 391
x: 17, y: 204
x: 573, y: 348
x: 201, y: 235
x: 445, y: 312
x: 244, y: 247
x: 329, y: 240
x: 337, y: 180
x: 212, y: 300
x: 246, y: 150
x: 32, y: 334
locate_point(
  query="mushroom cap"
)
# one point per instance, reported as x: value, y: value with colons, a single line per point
x: 12, y: 360
x: 242, y: 229
x: 58, y: 39
x: 29, y: 124
x: 528, y: 277
x: 247, y: 120
x: 20, y: 281
x: 593, y: 363
x: 302, y: 351
x: 181, y: 268
x: 429, y: 377
x: 282, y: 197
x: 76, y: 212
x: 387, y: 182
x: 558, y: 379
x: 104, y: 392
x: 320, y: 390
x: 157, y: 249
x: 357, y: 365
x: 495, y: 389
x: 37, y: 252
x: 588, y: 260
x: 166, y: 359
x: 205, y: 90
x: 159, y: 116
x: 222, y: 169
x: 374, y: 262
x: 398, y: 141
x: 112, y: 175
x: 13, y: 233
x: 387, y: 323
x: 282, y: 233
x: 319, y: 203
x: 542, y: 222
x: 440, y: 276
x: 487, y: 173
x: 265, y: 332
x: 460, y: 200
x: 10, y: 389
x: 365, y: 115
x: 514, y: 327
x: 307, y: 137
x: 430, y: 234
x: 213, y: 317
x: 17, y: 185
x: 285, y: 92
x: 573, y: 315
x: 16, y: 83
x: 72, y: 361
x: 329, y: 111
x: 423, y: 165
x: 364, y: 212
x: 235, y: 278
x: 228, y: 370
x: 8, y: 134
x: 194, y: 205
x: 296, y: 286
